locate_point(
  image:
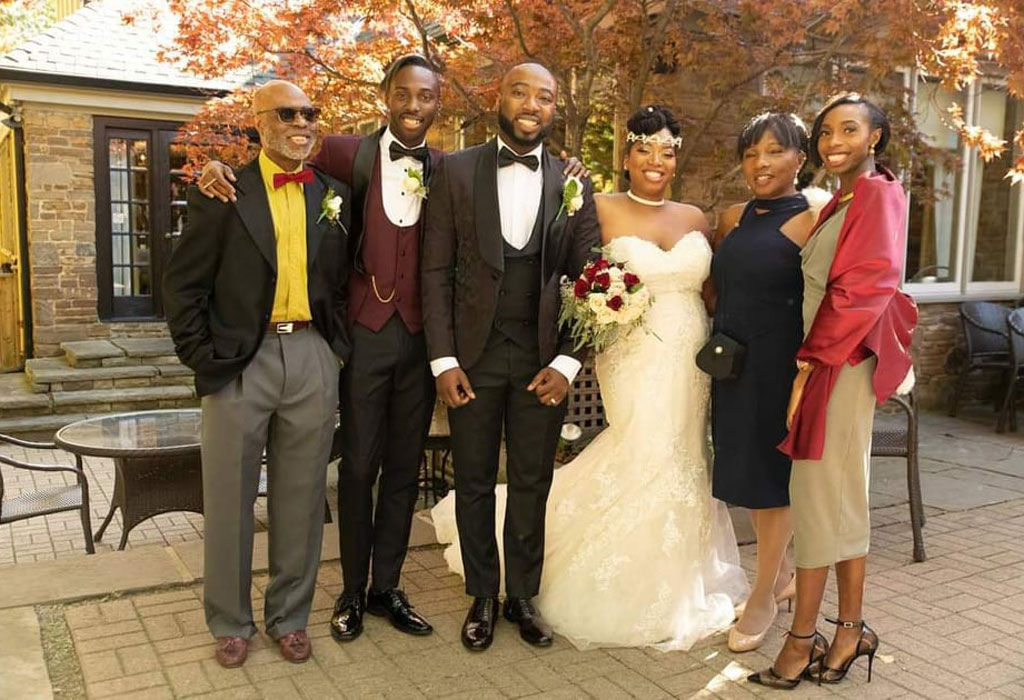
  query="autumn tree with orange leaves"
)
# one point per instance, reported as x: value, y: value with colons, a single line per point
x: 715, y: 62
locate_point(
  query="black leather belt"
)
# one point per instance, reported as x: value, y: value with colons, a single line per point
x: 286, y: 327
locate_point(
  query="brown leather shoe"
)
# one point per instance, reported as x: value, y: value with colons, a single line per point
x: 231, y: 651
x: 295, y: 646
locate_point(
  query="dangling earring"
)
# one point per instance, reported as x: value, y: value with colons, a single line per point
x: 625, y: 174
x: 872, y: 150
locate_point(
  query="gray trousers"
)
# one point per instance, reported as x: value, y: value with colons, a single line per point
x: 284, y: 400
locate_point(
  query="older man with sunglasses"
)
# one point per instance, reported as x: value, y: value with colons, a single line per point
x: 255, y: 297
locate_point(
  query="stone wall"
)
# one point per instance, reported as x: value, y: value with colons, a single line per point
x: 62, y: 232
x: 61, y: 227
x: 938, y: 334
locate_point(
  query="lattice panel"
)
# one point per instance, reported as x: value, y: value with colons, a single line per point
x: 585, y: 408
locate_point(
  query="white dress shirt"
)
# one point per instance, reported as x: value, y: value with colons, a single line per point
x: 519, y: 194
x: 402, y: 207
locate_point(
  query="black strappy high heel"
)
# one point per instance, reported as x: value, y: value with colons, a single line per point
x: 771, y: 678
x: 867, y: 645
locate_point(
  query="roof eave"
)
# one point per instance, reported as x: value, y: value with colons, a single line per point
x: 21, y: 76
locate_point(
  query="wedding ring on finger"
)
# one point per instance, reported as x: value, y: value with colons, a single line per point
x: 554, y: 402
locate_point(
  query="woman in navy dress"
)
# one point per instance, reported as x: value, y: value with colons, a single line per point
x: 759, y: 287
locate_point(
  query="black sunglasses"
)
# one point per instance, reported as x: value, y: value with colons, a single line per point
x: 287, y: 114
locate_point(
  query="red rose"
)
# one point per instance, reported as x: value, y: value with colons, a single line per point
x: 601, y: 264
x: 581, y: 289
x: 615, y: 303
x: 602, y: 280
x: 630, y: 280
x: 589, y: 272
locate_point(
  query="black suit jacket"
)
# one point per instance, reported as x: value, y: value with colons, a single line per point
x: 463, y: 259
x: 219, y: 284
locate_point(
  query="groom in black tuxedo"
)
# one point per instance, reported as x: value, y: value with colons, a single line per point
x: 496, y: 243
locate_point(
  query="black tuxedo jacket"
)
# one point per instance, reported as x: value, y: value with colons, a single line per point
x: 219, y: 284
x: 463, y: 259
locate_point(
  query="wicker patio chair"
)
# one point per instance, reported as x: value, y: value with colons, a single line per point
x: 987, y: 342
x: 1015, y: 368
x: 903, y: 442
x: 51, y: 499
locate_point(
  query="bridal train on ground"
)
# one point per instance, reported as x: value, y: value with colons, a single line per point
x: 637, y: 553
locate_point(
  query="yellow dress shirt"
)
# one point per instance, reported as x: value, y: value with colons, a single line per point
x: 288, y: 210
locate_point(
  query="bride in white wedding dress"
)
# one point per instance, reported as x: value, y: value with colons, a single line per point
x: 636, y: 551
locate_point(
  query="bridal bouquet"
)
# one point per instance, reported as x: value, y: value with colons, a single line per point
x: 607, y: 300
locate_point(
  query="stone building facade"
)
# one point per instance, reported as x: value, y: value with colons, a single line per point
x: 69, y: 107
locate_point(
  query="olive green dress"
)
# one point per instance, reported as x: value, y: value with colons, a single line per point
x: 829, y: 497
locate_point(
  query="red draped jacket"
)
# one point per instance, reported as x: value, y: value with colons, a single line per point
x: 863, y: 313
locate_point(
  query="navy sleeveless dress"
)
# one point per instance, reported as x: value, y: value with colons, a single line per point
x: 756, y: 271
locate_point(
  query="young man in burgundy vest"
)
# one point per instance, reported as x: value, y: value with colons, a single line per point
x: 387, y: 390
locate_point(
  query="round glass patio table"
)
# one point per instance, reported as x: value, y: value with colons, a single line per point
x: 156, y: 458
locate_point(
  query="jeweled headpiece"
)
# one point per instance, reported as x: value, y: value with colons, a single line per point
x: 674, y: 141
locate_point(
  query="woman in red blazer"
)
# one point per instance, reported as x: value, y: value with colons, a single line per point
x: 855, y: 353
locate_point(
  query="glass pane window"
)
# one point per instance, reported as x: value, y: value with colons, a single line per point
x: 934, y: 230
x: 129, y: 216
x: 995, y: 201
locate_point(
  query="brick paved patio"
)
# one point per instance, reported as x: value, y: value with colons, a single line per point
x: 951, y: 627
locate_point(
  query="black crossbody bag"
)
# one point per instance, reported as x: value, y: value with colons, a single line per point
x: 722, y: 357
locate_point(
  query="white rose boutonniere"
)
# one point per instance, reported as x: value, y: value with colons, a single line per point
x: 330, y: 206
x: 413, y: 183
x: 572, y: 196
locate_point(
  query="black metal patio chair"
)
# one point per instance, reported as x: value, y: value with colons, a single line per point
x: 50, y: 499
x: 1015, y: 368
x: 987, y: 342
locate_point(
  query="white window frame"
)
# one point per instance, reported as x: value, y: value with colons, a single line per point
x: 962, y: 288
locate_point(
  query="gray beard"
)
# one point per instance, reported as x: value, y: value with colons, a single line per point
x: 288, y: 149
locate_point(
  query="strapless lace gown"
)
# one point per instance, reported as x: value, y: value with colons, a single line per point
x: 637, y: 553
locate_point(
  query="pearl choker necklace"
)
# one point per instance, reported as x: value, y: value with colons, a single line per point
x: 645, y: 202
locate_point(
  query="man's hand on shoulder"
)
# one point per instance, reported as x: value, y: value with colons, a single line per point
x: 215, y: 181
x: 573, y: 166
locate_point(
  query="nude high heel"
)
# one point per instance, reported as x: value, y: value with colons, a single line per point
x: 787, y: 594
x: 741, y: 642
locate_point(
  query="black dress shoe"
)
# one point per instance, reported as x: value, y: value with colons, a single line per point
x: 347, y: 620
x: 531, y: 628
x: 394, y: 604
x: 478, y: 629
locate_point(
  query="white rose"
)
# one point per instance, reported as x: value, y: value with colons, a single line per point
x: 615, y: 273
x: 605, y: 316
x: 616, y: 287
x: 640, y: 298
x: 596, y: 302
x: 410, y: 183
x: 575, y: 204
x: 332, y: 207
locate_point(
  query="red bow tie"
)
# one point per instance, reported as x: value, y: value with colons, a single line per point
x: 304, y: 176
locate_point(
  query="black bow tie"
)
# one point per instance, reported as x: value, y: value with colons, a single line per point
x: 507, y: 156
x: 420, y: 153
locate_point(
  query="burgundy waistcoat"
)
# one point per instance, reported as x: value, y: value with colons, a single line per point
x: 391, y: 254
